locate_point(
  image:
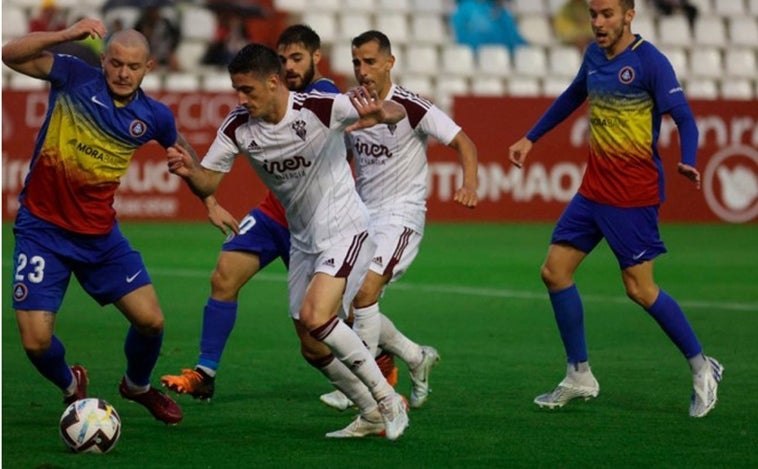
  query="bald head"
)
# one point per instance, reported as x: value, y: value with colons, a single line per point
x: 129, y: 38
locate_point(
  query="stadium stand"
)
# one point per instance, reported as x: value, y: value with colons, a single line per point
x: 715, y: 58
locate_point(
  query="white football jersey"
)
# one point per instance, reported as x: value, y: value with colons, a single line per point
x: 390, y: 160
x: 302, y: 160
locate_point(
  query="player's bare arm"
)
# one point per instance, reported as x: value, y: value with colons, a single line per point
x: 466, y: 195
x: 518, y: 151
x: 203, y: 182
x: 28, y: 54
x: 690, y: 172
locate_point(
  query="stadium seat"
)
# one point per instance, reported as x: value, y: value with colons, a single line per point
x: 530, y: 61
x: 524, y: 87
x: 678, y: 58
x: 419, y: 84
x: 487, y: 86
x: 291, y: 6
x: 536, y: 29
x: 736, y: 88
x: 645, y: 27
x: 15, y: 22
x: 436, y: 7
x: 553, y: 86
x: 527, y: 7
x: 447, y: 88
x: 421, y: 59
x: 394, y: 25
x: 729, y: 8
x: 324, y: 23
x: 189, y: 53
x: 429, y: 28
x: 365, y: 6
x: 198, y: 23
x: 674, y: 31
x: 352, y: 23
x: 181, y: 82
x: 701, y: 88
x: 741, y: 63
x: 19, y: 81
x: 743, y: 31
x: 458, y: 60
x: 127, y: 15
x: 217, y: 82
x: 341, y: 58
x: 564, y: 61
x: 706, y: 62
x: 710, y: 31
x: 393, y: 6
x: 493, y: 60
x: 152, y: 82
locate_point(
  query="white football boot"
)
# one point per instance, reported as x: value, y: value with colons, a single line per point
x: 420, y: 376
x: 705, y: 388
x: 337, y: 400
x: 575, y: 385
x: 394, y: 414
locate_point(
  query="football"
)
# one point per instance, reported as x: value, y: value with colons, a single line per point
x: 90, y: 426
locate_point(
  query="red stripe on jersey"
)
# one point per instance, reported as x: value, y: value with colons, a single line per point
x: 273, y: 209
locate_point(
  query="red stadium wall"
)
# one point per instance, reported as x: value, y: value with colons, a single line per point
x: 728, y: 159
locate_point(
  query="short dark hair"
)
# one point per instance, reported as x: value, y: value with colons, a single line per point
x: 373, y: 35
x: 258, y: 59
x: 300, y: 34
x: 627, y: 5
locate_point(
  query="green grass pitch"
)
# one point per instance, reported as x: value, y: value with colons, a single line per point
x: 474, y: 293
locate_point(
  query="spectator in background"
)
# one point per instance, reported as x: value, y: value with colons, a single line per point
x: 162, y: 33
x: 49, y: 18
x: 572, y: 24
x: 479, y: 22
x: 231, y: 36
x: 670, y: 7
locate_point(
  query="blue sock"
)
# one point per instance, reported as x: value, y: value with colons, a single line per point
x: 666, y: 311
x: 569, y: 315
x: 52, y: 364
x: 218, y: 322
x: 141, y: 355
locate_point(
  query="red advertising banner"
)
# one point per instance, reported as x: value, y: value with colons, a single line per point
x: 727, y: 159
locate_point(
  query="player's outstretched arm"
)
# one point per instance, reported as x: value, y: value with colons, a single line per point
x: 518, y: 151
x: 203, y: 182
x: 466, y: 195
x: 220, y: 217
x: 28, y: 54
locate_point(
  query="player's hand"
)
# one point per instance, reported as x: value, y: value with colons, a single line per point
x: 222, y: 219
x: 518, y: 151
x: 466, y: 197
x: 369, y: 107
x: 84, y: 28
x: 179, y: 161
x: 690, y: 172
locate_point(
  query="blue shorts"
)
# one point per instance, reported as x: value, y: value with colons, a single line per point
x: 263, y: 236
x: 631, y: 233
x: 46, y: 255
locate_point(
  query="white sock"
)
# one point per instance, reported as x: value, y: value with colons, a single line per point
x: 71, y: 389
x: 208, y: 371
x: 350, y: 350
x: 393, y: 341
x: 135, y: 388
x: 344, y: 380
x: 367, y: 325
x: 697, y: 363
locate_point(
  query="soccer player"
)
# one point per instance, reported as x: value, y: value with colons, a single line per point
x: 391, y: 177
x: 629, y: 85
x: 259, y: 239
x: 66, y: 224
x: 295, y: 144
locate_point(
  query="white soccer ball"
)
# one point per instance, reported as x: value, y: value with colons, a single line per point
x: 90, y: 425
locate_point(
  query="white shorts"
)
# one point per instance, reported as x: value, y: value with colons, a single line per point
x: 396, y: 248
x: 348, y: 258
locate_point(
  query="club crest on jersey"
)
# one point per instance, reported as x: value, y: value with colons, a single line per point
x: 392, y: 128
x: 626, y: 75
x: 20, y: 291
x: 299, y: 127
x: 137, y: 128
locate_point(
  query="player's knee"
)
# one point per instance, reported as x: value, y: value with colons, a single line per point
x: 315, y: 353
x: 35, y: 345
x: 223, y: 286
x: 644, y: 297
x: 552, y: 279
